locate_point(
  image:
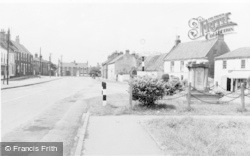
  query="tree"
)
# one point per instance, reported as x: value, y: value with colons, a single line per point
x: 95, y: 71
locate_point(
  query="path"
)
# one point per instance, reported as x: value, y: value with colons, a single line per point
x: 116, y: 135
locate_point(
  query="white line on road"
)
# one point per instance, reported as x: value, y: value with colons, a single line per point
x: 23, y: 96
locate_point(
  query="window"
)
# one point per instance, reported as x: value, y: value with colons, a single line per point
x: 172, y: 66
x: 243, y: 63
x: 224, y: 64
x: 182, y: 65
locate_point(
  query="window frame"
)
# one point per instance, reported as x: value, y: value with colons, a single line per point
x: 224, y: 64
x: 182, y: 66
x: 243, y: 65
x: 172, y: 66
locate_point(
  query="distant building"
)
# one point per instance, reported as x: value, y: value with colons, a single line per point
x: 153, y: 66
x: 233, y: 68
x: 175, y: 63
x: 121, y: 65
x: 23, y: 59
x: 3, y: 49
x: 40, y: 66
x: 74, y: 69
x: 104, y: 69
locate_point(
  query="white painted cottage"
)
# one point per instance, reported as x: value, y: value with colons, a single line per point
x: 233, y: 68
x: 175, y: 63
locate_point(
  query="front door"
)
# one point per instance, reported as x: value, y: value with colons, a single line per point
x: 228, y: 84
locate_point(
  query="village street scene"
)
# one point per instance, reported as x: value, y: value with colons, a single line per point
x: 125, y: 79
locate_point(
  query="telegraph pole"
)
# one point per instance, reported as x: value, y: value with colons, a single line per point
x: 8, y: 50
x: 49, y: 64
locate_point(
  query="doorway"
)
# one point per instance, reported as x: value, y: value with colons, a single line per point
x: 228, y: 84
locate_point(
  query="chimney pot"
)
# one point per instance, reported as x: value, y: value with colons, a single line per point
x: 221, y: 36
x: 17, y: 39
x: 177, y: 41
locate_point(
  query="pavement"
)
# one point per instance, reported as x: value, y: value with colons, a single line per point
x: 118, y: 135
x: 27, y: 82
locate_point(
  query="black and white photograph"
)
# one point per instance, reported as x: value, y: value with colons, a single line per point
x: 124, y: 77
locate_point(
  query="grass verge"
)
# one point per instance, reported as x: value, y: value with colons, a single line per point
x: 203, y: 136
x: 118, y: 105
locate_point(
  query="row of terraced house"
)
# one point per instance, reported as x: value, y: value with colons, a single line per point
x: 227, y: 67
x: 21, y: 60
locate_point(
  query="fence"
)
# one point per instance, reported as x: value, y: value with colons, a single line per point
x: 189, y: 95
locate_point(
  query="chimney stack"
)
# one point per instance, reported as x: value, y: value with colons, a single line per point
x: 221, y: 36
x: 127, y: 52
x: 17, y: 39
x: 177, y: 41
x: 2, y: 35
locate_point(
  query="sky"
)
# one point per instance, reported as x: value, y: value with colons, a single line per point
x: 86, y: 31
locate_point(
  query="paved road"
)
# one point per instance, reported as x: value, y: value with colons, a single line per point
x: 22, y: 105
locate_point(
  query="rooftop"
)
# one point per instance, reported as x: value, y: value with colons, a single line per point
x: 191, y: 50
x: 75, y: 64
x: 20, y: 47
x: 238, y: 53
x: 154, y: 62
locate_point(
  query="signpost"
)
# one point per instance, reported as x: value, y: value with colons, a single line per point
x: 212, y: 27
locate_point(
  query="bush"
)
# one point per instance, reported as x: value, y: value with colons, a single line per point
x: 172, y: 86
x: 165, y: 77
x: 147, y: 90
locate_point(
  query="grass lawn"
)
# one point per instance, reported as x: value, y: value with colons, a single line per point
x: 118, y: 105
x: 201, y: 136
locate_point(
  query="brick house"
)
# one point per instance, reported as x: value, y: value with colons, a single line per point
x: 74, y: 69
x: 3, y: 49
x: 40, y: 66
x: 23, y: 59
x: 175, y: 63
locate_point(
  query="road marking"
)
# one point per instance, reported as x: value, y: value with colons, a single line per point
x: 23, y: 96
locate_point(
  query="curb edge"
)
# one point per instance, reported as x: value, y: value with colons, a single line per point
x: 81, y: 133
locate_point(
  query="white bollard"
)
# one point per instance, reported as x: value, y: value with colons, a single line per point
x: 104, y: 94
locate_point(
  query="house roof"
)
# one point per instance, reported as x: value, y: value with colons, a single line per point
x: 75, y: 64
x: 3, y: 44
x: 20, y: 47
x: 115, y: 59
x: 238, y: 53
x: 191, y: 50
x: 111, y: 59
x: 154, y: 62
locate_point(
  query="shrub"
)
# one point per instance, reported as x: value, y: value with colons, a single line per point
x: 147, y: 90
x: 165, y: 77
x: 172, y: 86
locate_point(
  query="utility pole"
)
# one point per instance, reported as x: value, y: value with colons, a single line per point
x: 49, y: 64
x: 61, y: 65
x: 8, y: 50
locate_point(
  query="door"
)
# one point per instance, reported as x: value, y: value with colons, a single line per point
x: 228, y: 84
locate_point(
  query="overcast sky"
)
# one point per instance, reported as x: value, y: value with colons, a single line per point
x: 91, y: 31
